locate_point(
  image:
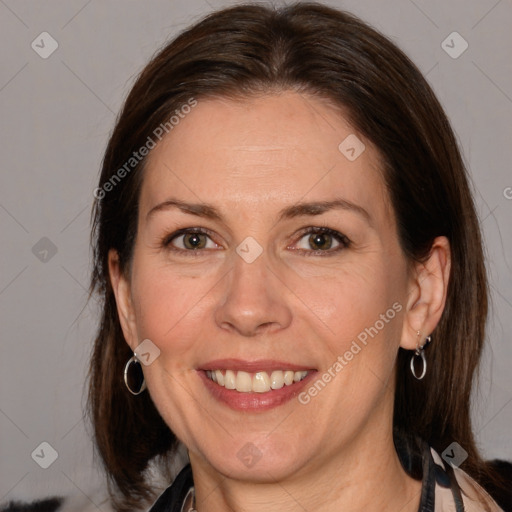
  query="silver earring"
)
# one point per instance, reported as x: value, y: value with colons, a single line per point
x: 420, y: 352
x: 134, y: 376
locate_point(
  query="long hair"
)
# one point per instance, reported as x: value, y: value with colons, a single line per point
x: 309, y: 48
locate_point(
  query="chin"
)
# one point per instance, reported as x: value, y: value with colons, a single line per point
x: 258, y: 463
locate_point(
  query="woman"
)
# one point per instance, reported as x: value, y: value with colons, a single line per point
x: 292, y: 275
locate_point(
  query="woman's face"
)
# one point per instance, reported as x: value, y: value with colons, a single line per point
x: 266, y: 250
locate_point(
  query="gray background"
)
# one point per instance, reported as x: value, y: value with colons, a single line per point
x: 56, y: 115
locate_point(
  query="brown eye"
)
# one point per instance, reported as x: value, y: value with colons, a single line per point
x: 191, y: 241
x: 194, y: 241
x: 320, y: 241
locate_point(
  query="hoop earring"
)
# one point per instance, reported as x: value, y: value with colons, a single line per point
x: 138, y: 378
x: 420, y: 352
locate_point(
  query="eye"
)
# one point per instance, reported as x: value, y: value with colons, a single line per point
x: 190, y: 240
x: 324, y: 240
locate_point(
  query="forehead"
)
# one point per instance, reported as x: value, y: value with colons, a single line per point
x: 263, y: 152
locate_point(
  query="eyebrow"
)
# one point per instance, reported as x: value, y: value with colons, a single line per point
x: 319, y: 207
x: 297, y: 210
x: 199, y: 209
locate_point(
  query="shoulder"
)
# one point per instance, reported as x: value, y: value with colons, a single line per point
x: 472, y: 495
x: 172, y: 498
x: 503, y: 498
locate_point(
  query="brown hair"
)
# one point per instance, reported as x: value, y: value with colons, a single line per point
x: 306, y: 47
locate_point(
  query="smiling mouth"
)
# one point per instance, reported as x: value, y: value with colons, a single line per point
x: 258, y: 382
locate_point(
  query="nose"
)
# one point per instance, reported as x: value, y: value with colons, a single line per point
x: 254, y: 299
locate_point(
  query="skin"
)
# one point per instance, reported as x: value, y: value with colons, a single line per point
x: 250, y: 159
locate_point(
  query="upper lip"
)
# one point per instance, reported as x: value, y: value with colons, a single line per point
x: 252, y: 366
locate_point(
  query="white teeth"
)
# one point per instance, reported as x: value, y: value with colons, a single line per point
x: 243, y: 382
x: 299, y: 376
x: 259, y: 382
x: 229, y: 380
x: 219, y: 378
x: 288, y: 377
x: 277, y: 380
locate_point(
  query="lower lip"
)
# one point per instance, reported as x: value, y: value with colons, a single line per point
x: 254, y: 401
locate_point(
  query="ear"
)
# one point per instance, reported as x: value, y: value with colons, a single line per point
x: 122, y: 292
x: 428, y: 286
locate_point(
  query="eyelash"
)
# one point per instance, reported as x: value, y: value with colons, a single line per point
x: 167, y: 240
x: 343, y: 241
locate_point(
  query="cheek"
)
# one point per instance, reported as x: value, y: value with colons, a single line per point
x: 361, y: 318
x: 349, y: 299
x: 170, y: 307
